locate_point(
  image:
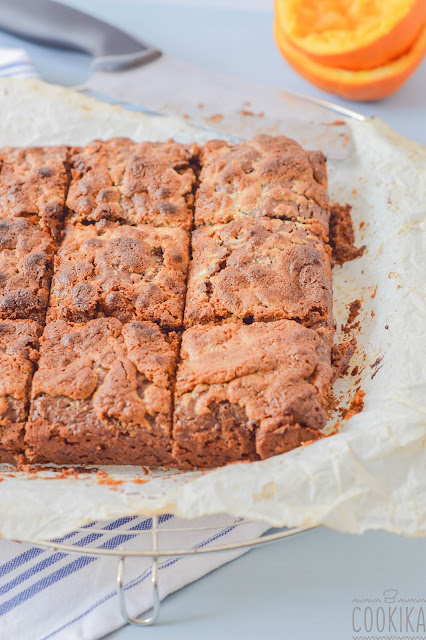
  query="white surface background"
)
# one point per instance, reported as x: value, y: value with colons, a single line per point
x: 233, y: 36
x: 303, y: 587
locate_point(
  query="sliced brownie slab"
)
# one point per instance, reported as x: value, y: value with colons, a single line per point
x: 102, y: 394
x: 33, y: 184
x: 26, y: 267
x: 148, y: 182
x: 128, y: 272
x: 18, y: 355
x: 247, y: 392
x: 266, y: 176
x: 258, y: 269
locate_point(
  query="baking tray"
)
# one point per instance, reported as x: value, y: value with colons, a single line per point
x: 371, y: 473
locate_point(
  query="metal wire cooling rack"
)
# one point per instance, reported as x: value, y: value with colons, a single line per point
x: 156, y: 552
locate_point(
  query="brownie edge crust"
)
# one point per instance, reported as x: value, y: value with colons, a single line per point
x: 18, y: 355
x: 102, y: 394
x: 33, y: 184
x: 247, y: 392
x: 26, y: 266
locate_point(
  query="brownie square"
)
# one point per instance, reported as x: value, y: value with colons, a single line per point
x: 258, y: 269
x: 18, y: 355
x: 266, y: 176
x: 148, y: 182
x: 26, y: 266
x: 33, y: 184
x: 247, y: 392
x: 102, y: 394
x: 121, y: 271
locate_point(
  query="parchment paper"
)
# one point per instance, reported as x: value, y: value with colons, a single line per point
x: 372, y: 474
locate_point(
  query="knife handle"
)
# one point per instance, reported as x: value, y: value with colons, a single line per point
x: 58, y: 25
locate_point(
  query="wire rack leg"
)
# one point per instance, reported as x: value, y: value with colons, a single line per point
x: 152, y: 617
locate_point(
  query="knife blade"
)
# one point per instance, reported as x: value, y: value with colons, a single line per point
x: 134, y: 71
x: 57, y: 25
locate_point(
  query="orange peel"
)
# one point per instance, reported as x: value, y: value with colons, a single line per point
x: 362, y: 85
x: 351, y: 34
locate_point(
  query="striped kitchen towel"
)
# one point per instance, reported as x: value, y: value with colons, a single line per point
x: 50, y: 594
x: 16, y: 63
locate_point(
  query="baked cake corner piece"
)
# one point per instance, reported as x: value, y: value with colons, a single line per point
x: 135, y: 183
x: 246, y: 392
x: 33, y: 184
x: 19, y: 341
x: 26, y: 267
x: 265, y: 176
x: 102, y: 394
x: 258, y: 269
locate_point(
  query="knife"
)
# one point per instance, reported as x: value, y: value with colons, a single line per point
x: 131, y: 70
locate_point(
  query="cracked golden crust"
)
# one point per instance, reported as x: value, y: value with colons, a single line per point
x: 121, y: 271
x: 103, y: 380
x: 258, y: 269
x: 262, y: 384
x: 266, y: 176
x: 33, y: 184
x: 26, y: 266
x: 18, y: 354
x: 147, y: 182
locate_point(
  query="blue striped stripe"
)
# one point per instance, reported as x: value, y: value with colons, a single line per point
x: 45, y: 583
x: 34, y: 552
x: 115, y: 542
x: 44, y: 564
x: 47, y: 562
x: 139, y: 580
x: 16, y: 562
x: 63, y: 572
x: 119, y: 523
x: 147, y: 524
x: 31, y: 553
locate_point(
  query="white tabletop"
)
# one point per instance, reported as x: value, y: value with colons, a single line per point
x: 302, y: 587
x: 299, y: 589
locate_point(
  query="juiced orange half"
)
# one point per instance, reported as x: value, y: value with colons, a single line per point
x: 351, y: 34
x: 366, y: 84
